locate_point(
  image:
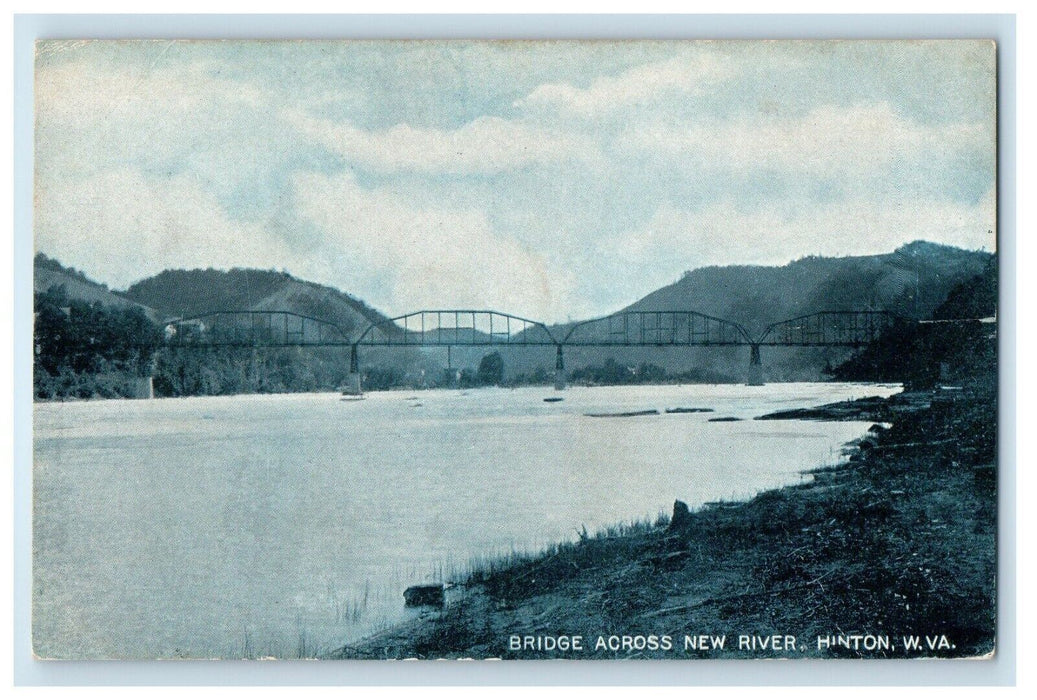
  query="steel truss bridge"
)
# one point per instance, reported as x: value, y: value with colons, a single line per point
x: 468, y: 327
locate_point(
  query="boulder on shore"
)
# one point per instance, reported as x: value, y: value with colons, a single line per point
x: 681, y: 516
x: 431, y: 595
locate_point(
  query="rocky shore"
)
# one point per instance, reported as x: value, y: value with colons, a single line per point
x: 873, y: 408
x: 896, y: 543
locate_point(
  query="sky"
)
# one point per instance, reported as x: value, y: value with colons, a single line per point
x: 552, y: 180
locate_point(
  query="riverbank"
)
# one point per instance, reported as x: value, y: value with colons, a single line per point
x: 897, y: 541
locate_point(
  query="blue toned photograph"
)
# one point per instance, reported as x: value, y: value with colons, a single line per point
x: 485, y: 349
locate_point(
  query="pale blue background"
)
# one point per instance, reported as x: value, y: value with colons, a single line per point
x: 29, y: 28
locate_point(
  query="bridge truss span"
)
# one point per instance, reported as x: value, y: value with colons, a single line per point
x: 253, y: 329
x: 481, y: 327
x: 829, y: 329
x: 457, y: 327
x: 656, y: 328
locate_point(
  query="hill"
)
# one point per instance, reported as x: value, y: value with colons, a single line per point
x: 912, y: 281
x: 182, y: 293
x: 954, y: 347
x: 87, y: 340
x: 94, y: 342
x: 50, y: 274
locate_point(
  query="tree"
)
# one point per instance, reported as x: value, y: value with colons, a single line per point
x: 491, y: 369
x: 89, y: 349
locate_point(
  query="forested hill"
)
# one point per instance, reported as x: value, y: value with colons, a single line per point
x: 49, y: 274
x: 91, y: 342
x: 964, y: 351
x: 911, y: 281
x: 178, y: 293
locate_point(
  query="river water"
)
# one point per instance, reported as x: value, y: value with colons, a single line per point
x: 287, y: 525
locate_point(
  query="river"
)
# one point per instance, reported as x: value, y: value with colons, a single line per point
x: 287, y: 525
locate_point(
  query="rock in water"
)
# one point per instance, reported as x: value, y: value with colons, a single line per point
x: 428, y: 595
x: 624, y: 414
x: 681, y: 516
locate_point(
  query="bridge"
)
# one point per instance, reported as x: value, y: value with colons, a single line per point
x: 470, y: 327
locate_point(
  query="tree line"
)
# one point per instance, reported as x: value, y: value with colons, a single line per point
x: 958, y: 347
x: 83, y: 349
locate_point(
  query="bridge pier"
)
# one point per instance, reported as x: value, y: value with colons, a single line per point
x: 352, y: 386
x: 559, y: 370
x: 755, y: 366
x: 143, y: 387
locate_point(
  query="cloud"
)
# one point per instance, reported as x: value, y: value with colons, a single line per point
x: 418, y: 257
x: 638, y: 85
x: 726, y: 233
x: 828, y: 140
x: 128, y: 226
x: 604, y: 182
x: 122, y: 226
x: 485, y: 145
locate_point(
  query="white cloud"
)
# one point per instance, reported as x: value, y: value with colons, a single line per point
x: 431, y: 256
x: 637, y: 85
x: 485, y: 145
x: 724, y: 233
x: 121, y: 226
x: 126, y: 226
x: 828, y: 140
x: 91, y: 119
x: 578, y: 163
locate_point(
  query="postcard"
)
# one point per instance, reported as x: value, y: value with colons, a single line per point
x: 515, y: 350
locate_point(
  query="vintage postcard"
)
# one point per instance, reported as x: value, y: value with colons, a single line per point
x: 515, y: 349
